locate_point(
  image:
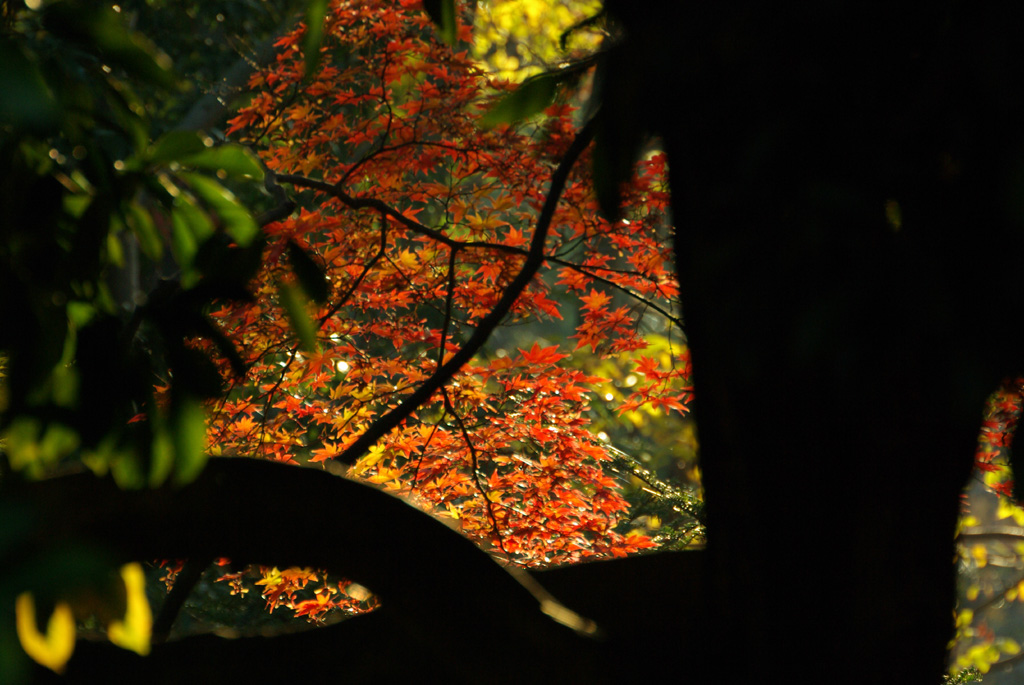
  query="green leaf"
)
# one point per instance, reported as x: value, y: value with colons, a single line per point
x: 115, y: 251
x: 530, y: 98
x: 309, y: 272
x: 31, y: 445
x: 234, y: 160
x: 80, y: 313
x: 188, y: 429
x: 442, y: 13
x: 161, y: 458
x: 198, y: 221
x: 190, y: 227
x: 174, y: 146
x: 294, y: 303
x: 128, y: 472
x: 183, y: 239
x: 141, y: 223
x: 236, y: 219
x: 315, y: 12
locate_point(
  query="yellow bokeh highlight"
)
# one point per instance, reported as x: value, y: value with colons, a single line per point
x: 54, y: 648
x: 1006, y: 509
x: 135, y: 630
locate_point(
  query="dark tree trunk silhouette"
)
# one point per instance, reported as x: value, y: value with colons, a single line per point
x: 846, y: 196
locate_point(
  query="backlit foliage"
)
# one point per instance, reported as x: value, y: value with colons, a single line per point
x: 420, y: 220
x: 520, y: 38
x: 990, y: 546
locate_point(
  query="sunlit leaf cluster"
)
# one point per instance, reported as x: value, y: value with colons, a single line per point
x: 418, y: 220
x: 517, y: 39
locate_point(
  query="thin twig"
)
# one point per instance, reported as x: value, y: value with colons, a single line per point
x: 535, y: 258
x: 484, y: 492
x: 449, y: 296
x: 335, y: 190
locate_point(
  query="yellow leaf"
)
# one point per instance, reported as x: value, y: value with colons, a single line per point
x: 134, y: 631
x: 271, y: 578
x: 388, y: 477
x: 53, y: 649
x: 408, y: 260
x: 365, y: 393
x: 374, y: 455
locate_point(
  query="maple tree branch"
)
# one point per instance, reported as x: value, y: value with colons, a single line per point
x: 621, y: 288
x: 534, y: 259
x: 449, y: 296
x: 415, y: 143
x: 387, y: 131
x: 269, y: 396
x: 444, y: 589
x: 285, y: 205
x: 186, y: 581
x: 488, y: 504
x: 381, y: 250
x: 335, y: 190
x: 426, y: 445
